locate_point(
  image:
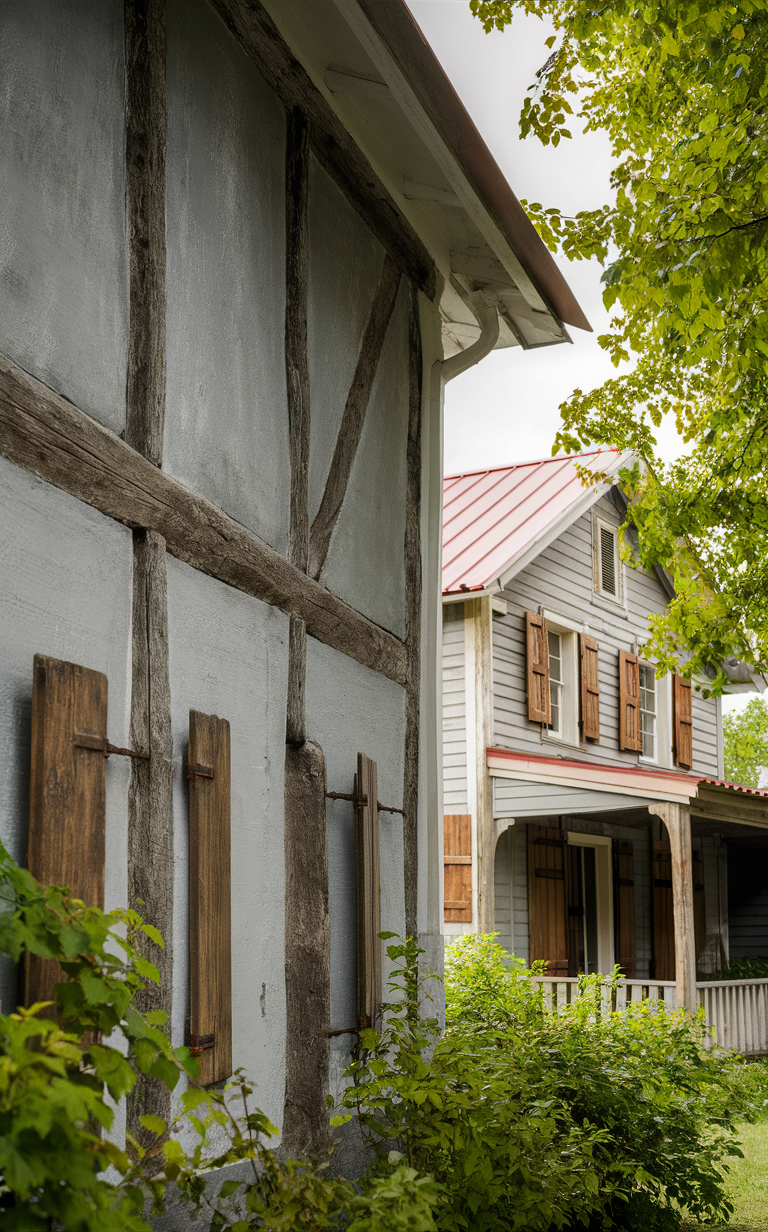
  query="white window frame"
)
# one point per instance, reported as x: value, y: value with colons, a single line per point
x: 599, y: 524
x: 643, y: 668
x: 663, y: 756
x: 568, y: 632
x: 604, y: 893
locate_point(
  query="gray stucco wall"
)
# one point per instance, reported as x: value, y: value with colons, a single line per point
x: 63, y: 265
x: 345, y: 262
x: 228, y: 656
x: 226, y: 426
x: 65, y: 591
x: 561, y: 580
x: 365, y: 564
x: 351, y: 710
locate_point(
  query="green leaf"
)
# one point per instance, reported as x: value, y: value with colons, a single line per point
x: 155, y: 1124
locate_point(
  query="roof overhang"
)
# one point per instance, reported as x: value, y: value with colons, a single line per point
x: 376, y: 70
x: 712, y: 799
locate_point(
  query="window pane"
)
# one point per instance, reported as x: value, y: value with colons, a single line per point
x: 555, y: 679
x: 648, y: 710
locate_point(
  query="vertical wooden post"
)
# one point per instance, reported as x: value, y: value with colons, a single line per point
x: 369, y: 989
x: 150, y: 806
x: 412, y: 619
x: 677, y: 819
x: 480, y: 688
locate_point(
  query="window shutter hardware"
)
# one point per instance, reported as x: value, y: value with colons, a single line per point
x: 199, y: 772
x: 100, y: 744
x: 361, y: 800
x: 198, y: 1044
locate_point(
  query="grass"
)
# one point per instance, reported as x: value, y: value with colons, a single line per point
x: 747, y: 1185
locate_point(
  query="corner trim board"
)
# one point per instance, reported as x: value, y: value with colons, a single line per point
x: 48, y: 436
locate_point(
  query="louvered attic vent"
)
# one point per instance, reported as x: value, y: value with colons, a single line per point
x: 607, y: 560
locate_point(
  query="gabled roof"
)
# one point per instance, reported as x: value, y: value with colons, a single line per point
x: 496, y: 521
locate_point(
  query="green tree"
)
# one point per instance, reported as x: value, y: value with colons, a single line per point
x: 745, y: 743
x: 681, y: 89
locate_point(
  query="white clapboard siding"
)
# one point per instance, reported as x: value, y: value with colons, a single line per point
x: 454, y: 711
x: 561, y: 580
x: 503, y: 897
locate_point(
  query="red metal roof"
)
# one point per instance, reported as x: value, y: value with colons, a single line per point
x: 491, y: 517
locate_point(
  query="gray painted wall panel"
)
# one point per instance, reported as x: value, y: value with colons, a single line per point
x: 351, y: 710
x: 515, y: 798
x: 366, y: 562
x: 229, y: 656
x: 65, y: 591
x: 344, y: 268
x: 226, y: 428
x: 561, y: 580
x: 63, y: 260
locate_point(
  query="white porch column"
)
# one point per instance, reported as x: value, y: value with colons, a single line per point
x: 677, y: 819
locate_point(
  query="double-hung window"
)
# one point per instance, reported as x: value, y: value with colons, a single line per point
x: 556, y: 682
x: 649, y: 712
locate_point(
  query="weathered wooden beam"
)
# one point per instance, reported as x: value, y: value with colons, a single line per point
x: 307, y: 954
x: 412, y: 619
x: 677, y: 819
x: 334, y: 146
x: 45, y: 434
x: 145, y: 131
x: 150, y: 799
x: 353, y: 418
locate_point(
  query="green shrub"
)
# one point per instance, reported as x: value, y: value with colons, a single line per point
x: 540, y: 1121
x: 740, y: 969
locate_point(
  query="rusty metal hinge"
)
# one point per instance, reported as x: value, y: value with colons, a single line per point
x: 198, y: 1044
x: 100, y: 744
x: 199, y: 772
x: 358, y: 800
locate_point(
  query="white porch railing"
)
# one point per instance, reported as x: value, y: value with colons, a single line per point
x: 735, y: 1011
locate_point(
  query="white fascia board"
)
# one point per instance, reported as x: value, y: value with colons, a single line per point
x: 583, y: 505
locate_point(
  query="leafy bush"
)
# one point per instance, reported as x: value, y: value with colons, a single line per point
x: 740, y: 969
x: 539, y: 1121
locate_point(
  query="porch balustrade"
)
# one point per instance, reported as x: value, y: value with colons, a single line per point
x: 735, y: 1011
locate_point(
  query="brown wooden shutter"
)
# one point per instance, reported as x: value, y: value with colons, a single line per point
x: 574, y: 892
x: 67, y: 795
x: 210, y: 908
x: 369, y: 990
x: 590, y: 688
x: 457, y: 862
x: 539, y: 702
x: 630, y: 735
x: 624, y: 896
x: 683, y: 722
x: 547, y: 898
x: 663, y: 913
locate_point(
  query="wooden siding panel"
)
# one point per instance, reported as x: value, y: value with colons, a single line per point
x: 454, y: 710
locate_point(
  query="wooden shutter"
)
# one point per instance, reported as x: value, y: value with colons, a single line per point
x: 630, y: 735
x: 624, y: 899
x: 663, y: 913
x: 539, y: 702
x: 590, y: 688
x: 457, y: 863
x: 369, y: 991
x: 683, y: 722
x: 547, y: 898
x: 210, y: 909
x: 574, y: 892
x: 67, y: 795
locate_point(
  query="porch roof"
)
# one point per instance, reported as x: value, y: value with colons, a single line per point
x: 716, y: 799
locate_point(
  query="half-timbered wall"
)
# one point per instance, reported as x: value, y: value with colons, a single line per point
x: 560, y: 579
x: 179, y: 606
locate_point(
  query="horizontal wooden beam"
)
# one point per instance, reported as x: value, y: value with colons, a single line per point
x: 336, y: 149
x: 45, y: 434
